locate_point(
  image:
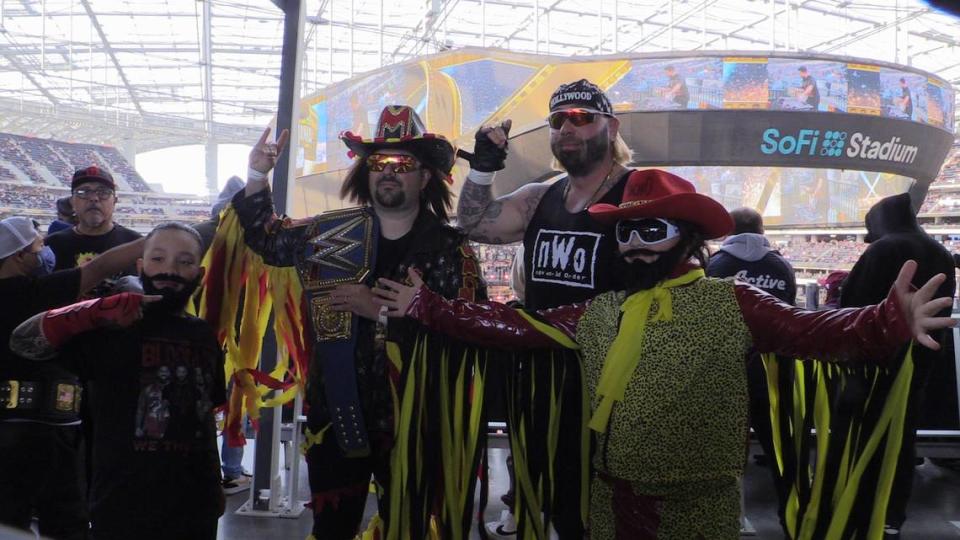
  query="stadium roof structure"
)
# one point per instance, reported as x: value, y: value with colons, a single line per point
x: 170, y: 72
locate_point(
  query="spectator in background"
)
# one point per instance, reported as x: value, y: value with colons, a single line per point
x: 39, y: 425
x: 94, y: 198
x: 66, y: 217
x: 833, y: 284
x: 895, y: 237
x: 747, y: 256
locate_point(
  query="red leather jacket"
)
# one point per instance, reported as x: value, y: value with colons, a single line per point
x: 872, y: 332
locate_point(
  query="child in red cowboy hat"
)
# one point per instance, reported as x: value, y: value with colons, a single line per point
x: 668, y: 392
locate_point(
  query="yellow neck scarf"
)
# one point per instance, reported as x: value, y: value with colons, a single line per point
x: 624, y: 354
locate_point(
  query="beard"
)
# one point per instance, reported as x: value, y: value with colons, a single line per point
x: 173, y: 301
x: 640, y: 276
x: 394, y: 198
x: 582, y: 160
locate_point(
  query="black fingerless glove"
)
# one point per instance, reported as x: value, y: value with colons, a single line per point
x: 487, y: 156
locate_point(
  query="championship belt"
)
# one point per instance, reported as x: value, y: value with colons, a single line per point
x: 340, y: 249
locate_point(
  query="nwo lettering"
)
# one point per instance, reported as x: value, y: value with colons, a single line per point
x: 565, y: 257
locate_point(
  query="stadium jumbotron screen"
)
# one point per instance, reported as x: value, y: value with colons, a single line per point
x: 739, y: 116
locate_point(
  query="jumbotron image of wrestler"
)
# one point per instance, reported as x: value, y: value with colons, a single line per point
x: 664, y: 359
x: 375, y: 390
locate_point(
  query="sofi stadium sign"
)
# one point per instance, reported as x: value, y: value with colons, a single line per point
x: 835, y: 143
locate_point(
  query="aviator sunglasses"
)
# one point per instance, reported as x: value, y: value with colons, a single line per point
x: 650, y: 231
x: 577, y: 117
x: 401, y: 163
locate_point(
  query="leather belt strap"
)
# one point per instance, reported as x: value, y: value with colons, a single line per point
x: 341, y: 249
x: 57, y: 397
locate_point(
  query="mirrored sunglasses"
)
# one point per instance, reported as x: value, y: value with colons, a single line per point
x: 577, y: 117
x: 650, y: 231
x: 401, y: 163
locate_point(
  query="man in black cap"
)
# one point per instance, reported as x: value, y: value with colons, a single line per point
x: 568, y: 257
x: 93, y: 201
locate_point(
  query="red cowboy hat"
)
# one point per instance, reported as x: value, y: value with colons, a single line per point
x: 658, y: 194
x: 400, y: 127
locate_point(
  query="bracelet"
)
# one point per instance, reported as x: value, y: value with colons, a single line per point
x: 481, y: 178
x: 382, y: 318
x: 255, y: 175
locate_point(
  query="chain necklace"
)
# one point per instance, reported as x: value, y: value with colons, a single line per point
x: 591, y: 200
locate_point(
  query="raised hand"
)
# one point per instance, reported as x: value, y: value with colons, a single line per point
x: 490, y: 147
x: 263, y: 155
x: 921, y: 311
x: 397, y: 297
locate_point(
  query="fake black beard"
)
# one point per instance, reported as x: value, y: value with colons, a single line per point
x: 581, y: 162
x: 173, y: 301
x: 640, y: 276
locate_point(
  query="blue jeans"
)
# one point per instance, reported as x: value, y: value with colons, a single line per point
x: 232, y: 460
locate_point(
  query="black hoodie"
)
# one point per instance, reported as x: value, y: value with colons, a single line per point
x: 895, y: 237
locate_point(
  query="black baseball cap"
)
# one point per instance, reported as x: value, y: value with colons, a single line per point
x: 582, y: 93
x: 92, y: 173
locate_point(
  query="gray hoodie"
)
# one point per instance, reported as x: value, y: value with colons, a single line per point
x: 749, y: 247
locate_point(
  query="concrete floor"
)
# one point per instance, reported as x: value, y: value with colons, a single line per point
x: 934, y: 505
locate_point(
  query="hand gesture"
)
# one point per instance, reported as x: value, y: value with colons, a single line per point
x: 921, y: 311
x: 490, y: 148
x: 355, y: 298
x: 263, y: 155
x: 397, y: 296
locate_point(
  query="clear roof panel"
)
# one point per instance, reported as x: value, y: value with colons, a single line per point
x: 189, y: 68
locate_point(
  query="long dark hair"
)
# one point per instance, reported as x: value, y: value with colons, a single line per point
x: 696, y: 244
x: 436, y: 195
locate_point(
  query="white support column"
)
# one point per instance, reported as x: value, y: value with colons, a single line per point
x: 352, y: 12
x: 483, y: 23
x: 69, y: 48
x: 380, y: 33
x: 43, y: 35
x: 330, y: 46
x: 616, y: 26
x: 670, y: 29
x: 773, y: 25
x: 536, y: 26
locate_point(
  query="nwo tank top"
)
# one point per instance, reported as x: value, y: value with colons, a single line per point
x: 568, y: 257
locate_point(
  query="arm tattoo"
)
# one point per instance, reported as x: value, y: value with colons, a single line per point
x: 473, y: 204
x: 28, y: 341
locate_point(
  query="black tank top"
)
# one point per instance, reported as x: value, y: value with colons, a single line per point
x: 568, y: 258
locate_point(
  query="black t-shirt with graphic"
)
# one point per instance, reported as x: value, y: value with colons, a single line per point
x: 154, y: 438
x: 24, y: 297
x: 73, y: 249
x: 568, y: 258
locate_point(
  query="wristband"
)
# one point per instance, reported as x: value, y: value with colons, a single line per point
x: 255, y: 175
x: 481, y: 178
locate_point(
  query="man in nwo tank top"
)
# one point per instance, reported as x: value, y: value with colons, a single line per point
x: 568, y: 257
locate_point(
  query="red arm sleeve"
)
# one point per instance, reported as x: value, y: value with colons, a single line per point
x: 60, y: 325
x: 496, y: 325
x: 869, y: 333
